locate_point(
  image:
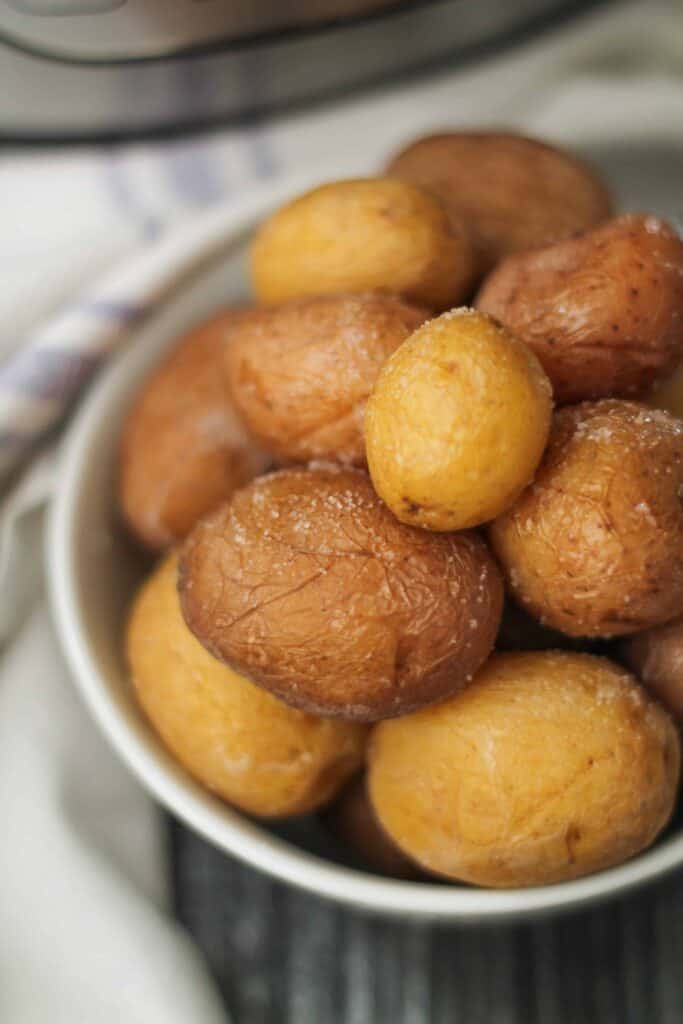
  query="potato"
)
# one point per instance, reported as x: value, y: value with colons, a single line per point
x: 301, y: 373
x: 456, y: 423
x: 656, y: 656
x: 595, y: 546
x: 184, y: 448
x: 307, y: 584
x: 239, y: 742
x: 669, y: 394
x: 520, y: 632
x: 514, y: 193
x: 603, y: 313
x: 352, y: 821
x: 369, y: 234
x: 549, y: 766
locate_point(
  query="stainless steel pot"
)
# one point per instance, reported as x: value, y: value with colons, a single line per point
x: 115, y: 67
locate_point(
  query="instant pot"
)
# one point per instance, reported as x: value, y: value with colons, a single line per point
x: 84, y: 68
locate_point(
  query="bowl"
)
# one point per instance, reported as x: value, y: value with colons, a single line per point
x: 93, y: 570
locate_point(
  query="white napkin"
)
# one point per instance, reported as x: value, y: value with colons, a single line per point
x: 85, y: 933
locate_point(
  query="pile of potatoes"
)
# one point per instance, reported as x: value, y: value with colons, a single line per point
x: 419, y: 513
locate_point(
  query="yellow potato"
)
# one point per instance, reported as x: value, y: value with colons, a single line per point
x: 236, y: 739
x: 457, y: 422
x: 549, y: 766
x: 371, y: 234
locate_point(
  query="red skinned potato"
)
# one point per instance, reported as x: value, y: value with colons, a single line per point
x: 306, y: 583
x: 301, y: 373
x: 513, y: 192
x: 184, y: 448
x: 603, y: 312
x: 656, y: 656
x: 594, y: 547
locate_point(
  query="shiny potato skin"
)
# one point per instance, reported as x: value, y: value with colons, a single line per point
x: 352, y: 821
x: 595, y: 546
x: 369, y: 234
x: 306, y: 583
x: 603, y: 312
x: 240, y: 742
x: 184, y: 448
x: 656, y: 657
x: 550, y: 766
x: 513, y: 192
x: 301, y: 373
x: 457, y: 422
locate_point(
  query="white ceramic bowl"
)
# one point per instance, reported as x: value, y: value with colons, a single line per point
x: 93, y: 570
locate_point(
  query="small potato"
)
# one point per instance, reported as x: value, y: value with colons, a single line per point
x: 514, y: 193
x: 669, y: 394
x: 307, y: 584
x: 656, y: 656
x: 603, y: 313
x: 456, y: 423
x: 595, y: 546
x: 184, y: 448
x: 238, y: 741
x: 352, y: 820
x: 549, y: 766
x: 369, y: 234
x: 301, y: 373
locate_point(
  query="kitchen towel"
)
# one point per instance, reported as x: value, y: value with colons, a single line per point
x: 85, y: 928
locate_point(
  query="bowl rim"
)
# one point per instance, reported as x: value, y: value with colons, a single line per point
x: 231, y: 832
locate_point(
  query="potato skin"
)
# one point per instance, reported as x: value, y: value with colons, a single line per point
x: 513, y: 192
x: 457, y: 422
x: 351, y: 819
x: 306, y: 584
x: 184, y: 448
x: 370, y: 234
x: 595, y: 546
x: 603, y: 312
x: 241, y: 743
x: 656, y: 657
x: 301, y: 373
x: 549, y: 766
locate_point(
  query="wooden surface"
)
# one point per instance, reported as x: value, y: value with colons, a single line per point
x: 281, y: 956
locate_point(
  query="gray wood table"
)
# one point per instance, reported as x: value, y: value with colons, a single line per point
x: 281, y: 956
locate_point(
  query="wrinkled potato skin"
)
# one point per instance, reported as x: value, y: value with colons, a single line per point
x: 548, y: 767
x: 301, y: 373
x: 456, y: 423
x: 595, y: 546
x: 513, y: 192
x: 238, y: 741
x: 307, y: 584
x: 352, y: 820
x: 656, y: 657
x: 603, y: 313
x: 184, y: 448
x: 362, y: 235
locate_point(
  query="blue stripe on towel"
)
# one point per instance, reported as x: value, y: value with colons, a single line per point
x: 49, y: 373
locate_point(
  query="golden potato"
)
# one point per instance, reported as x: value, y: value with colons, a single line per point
x: 369, y: 234
x: 656, y: 656
x: 595, y: 546
x: 352, y: 821
x: 301, y: 373
x: 456, y: 423
x: 308, y: 585
x: 239, y: 742
x: 513, y: 193
x: 603, y: 313
x: 549, y: 766
x: 184, y: 448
